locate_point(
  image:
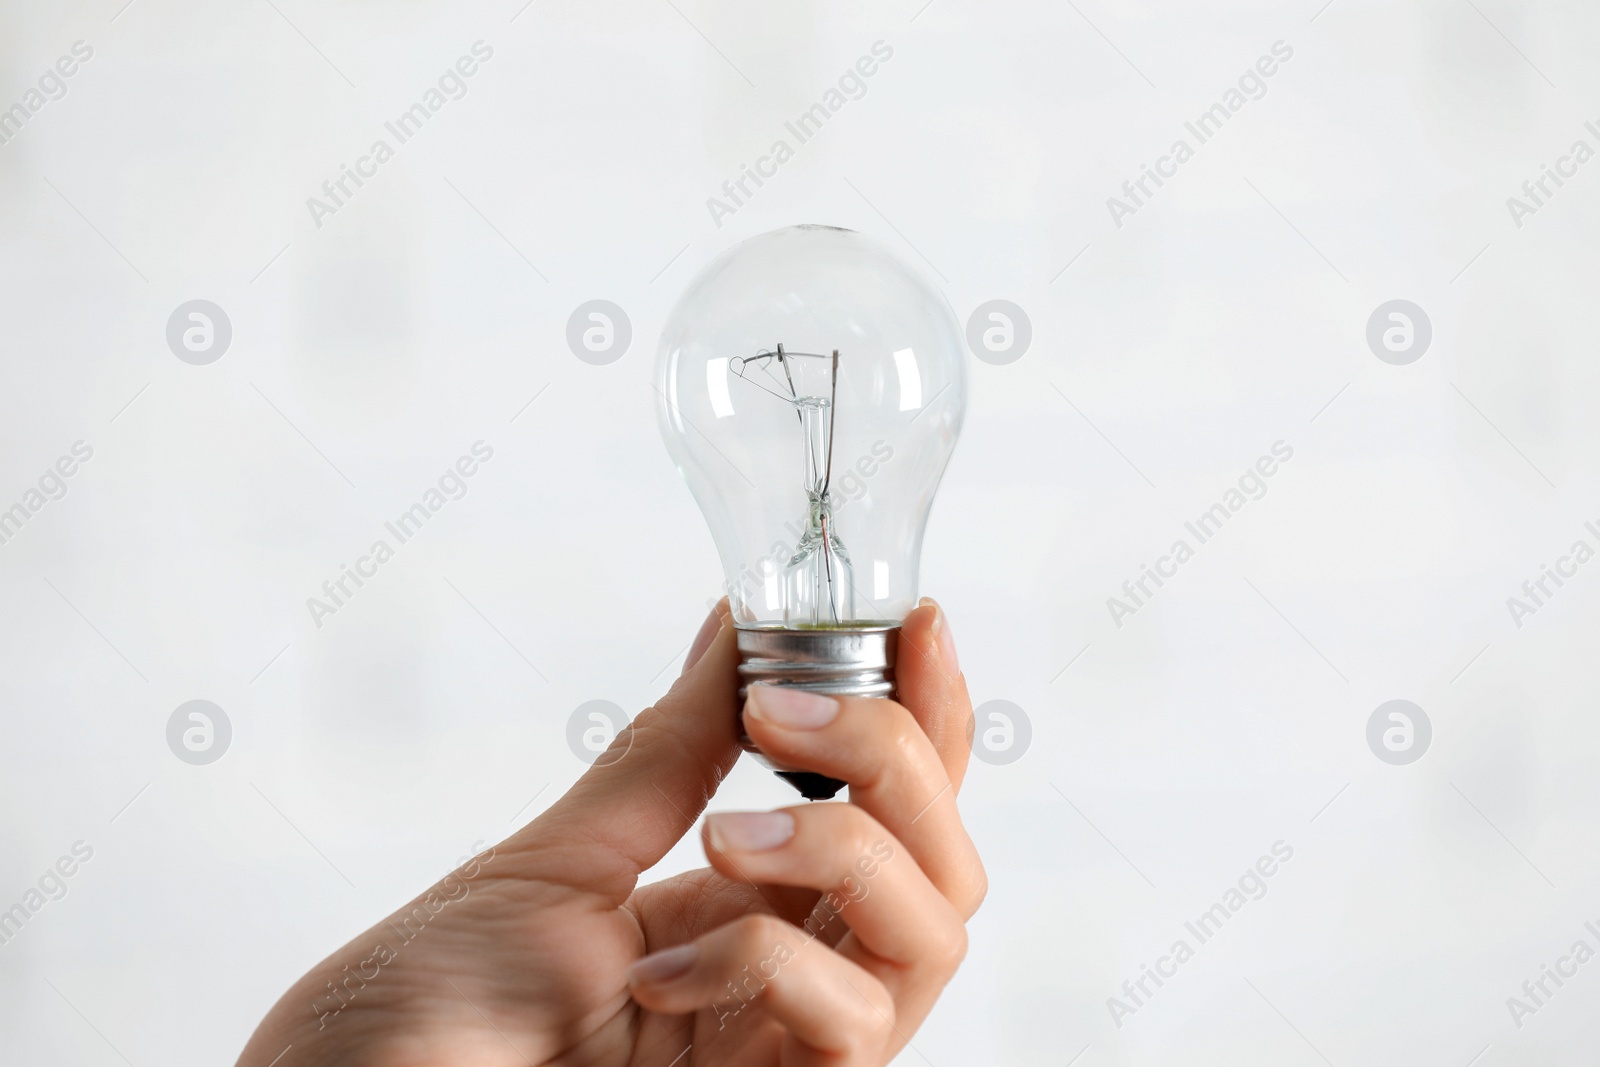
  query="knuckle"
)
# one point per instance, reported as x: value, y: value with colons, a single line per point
x: 752, y: 954
x: 901, y: 725
x: 754, y: 935
x: 977, y: 890
x: 949, y: 947
x: 858, y: 831
x: 873, y: 1022
x: 884, y: 725
x: 912, y: 762
x: 880, y: 1023
x: 757, y: 946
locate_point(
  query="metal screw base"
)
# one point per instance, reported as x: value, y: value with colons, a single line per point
x: 847, y: 662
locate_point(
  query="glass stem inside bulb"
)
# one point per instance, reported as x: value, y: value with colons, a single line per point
x: 821, y: 584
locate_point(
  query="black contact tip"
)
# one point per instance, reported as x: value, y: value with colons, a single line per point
x: 812, y: 786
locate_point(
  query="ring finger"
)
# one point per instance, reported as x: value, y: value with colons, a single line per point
x: 823, y: 1000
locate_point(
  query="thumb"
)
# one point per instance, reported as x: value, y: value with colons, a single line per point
x: 930, y: 684
x: 646, y: 791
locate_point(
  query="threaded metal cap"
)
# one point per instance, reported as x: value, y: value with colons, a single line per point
x: 855, y: 661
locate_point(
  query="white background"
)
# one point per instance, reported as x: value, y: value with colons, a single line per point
x: 367, y: 354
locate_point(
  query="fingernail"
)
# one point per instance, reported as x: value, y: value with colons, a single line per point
x: 941, y: 630
x: 795, y: 709
x: 665, y: 965
x: 703, y: 639
x: 750, y: 831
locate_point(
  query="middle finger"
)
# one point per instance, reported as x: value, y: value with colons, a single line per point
x: 864, y: 874
x: 892, y: 768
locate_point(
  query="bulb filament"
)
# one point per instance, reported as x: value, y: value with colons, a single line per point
x: 819, y: 586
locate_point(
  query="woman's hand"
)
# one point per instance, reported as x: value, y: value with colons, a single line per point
x: 820, y: 934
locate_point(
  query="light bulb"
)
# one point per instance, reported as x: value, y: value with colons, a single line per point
x: 811, y: 388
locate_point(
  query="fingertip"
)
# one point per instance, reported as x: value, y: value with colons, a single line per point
x: 661, y: 968
x: 931, y: 686
x: 921, y: 619
x: 926, y: 642
x: 713, y: 624
x: 750, y: 831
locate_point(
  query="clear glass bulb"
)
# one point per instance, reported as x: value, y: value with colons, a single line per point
x: 811, y: 390
x: 812, y: 387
